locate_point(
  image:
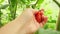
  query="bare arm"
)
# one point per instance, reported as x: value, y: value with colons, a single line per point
x: 24, y: 24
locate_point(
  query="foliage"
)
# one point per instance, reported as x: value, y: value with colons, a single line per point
x: 50, y: 26
x: 13, y: 8
x: 47, y: 31
x: 58, y: 21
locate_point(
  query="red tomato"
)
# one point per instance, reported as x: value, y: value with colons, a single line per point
x: 41, y: 12
x: 39, y: 16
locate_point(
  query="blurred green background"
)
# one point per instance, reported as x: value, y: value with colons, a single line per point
x: 10, y: 9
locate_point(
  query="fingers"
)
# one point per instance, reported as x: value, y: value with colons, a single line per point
x: 44, y: 18
x: 44, y: 21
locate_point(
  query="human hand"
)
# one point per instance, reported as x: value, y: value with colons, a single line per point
x: 30, y: 25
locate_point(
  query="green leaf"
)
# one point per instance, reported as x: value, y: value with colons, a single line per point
x: 4, y: 6
x: 37, y: 4
x: 12, y: 8
x: 1, y: 1
x: 47, y: 31
x: 39, y: 1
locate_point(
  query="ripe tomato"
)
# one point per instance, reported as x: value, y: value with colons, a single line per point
x: 39, y: 16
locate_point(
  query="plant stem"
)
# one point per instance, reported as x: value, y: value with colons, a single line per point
x: 34, y: 5
x: 57, y: 3
x: 58, y: 21
x: 13, y: 8
x: 0, y: 18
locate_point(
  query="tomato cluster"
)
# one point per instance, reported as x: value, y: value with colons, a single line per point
x: 39, y: 15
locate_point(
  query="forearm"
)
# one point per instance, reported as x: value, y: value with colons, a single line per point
x: 19, y: 25
x: 11, y: 27
x: 14, y: 26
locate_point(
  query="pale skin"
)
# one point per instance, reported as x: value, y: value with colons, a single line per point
x: 23, y: 24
